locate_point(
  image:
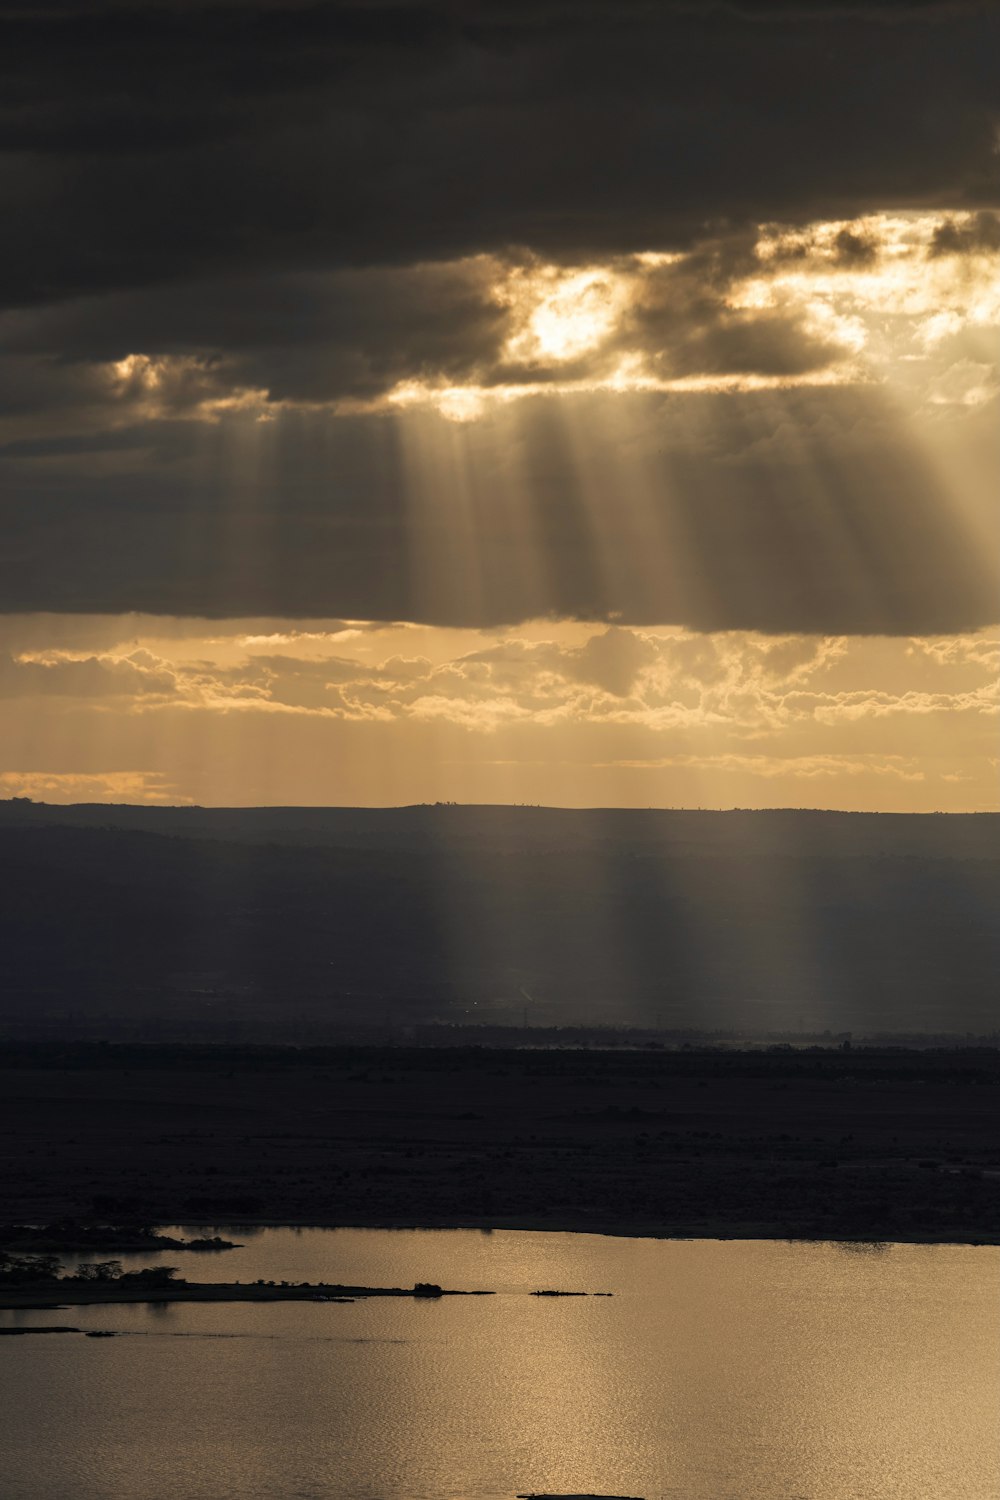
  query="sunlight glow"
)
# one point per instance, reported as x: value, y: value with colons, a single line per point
x: 559, y: 315
x: 467, y: 403
x: 883, y: 298
x: 908, y: 300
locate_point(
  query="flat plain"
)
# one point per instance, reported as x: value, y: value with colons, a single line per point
x: 869, y: 1143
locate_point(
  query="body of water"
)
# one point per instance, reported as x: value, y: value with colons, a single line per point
x: 738, y: 1370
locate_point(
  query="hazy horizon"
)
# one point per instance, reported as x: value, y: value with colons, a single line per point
x: 41, y: 802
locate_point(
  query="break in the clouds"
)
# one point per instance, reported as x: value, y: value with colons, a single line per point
x: 335, y: 712
x: 835, y: 302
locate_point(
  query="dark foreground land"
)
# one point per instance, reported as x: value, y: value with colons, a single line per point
x: 869, y: 1143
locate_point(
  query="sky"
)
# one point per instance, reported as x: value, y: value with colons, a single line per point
x: 579, y: 403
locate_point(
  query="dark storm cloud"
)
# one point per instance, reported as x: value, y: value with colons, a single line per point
x: 304, y: 337
x: 315, y: 337
x: 144, y: 143
x: 681, y: 318
x: 980, y: 232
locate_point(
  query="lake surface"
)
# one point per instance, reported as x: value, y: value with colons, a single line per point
x: 739, y: 1370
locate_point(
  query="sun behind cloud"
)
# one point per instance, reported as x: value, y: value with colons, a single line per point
x: 560, y: 315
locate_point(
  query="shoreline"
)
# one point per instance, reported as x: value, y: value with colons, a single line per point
x: 69, y: 1292
x: 617, y: 1229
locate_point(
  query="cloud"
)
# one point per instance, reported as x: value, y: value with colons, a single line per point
x: 108, y: 786
x: 251, y: 251
x: 766, y: 305
x: 305, y: 337
x: 750, y: 686
x: 550, y: 712
x: 61, y: 675
x: 147, y: 144
x: 979, y: 232
x: 357, y: 337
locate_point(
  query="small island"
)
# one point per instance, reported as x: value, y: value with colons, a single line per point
x: 34, y: 1280
x: 158, y: 1284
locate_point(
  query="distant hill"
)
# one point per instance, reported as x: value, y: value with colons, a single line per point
x: 287, y: 923
x: 503, y: 827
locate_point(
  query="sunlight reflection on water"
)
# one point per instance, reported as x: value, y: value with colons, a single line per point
x: 752, y: 1370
